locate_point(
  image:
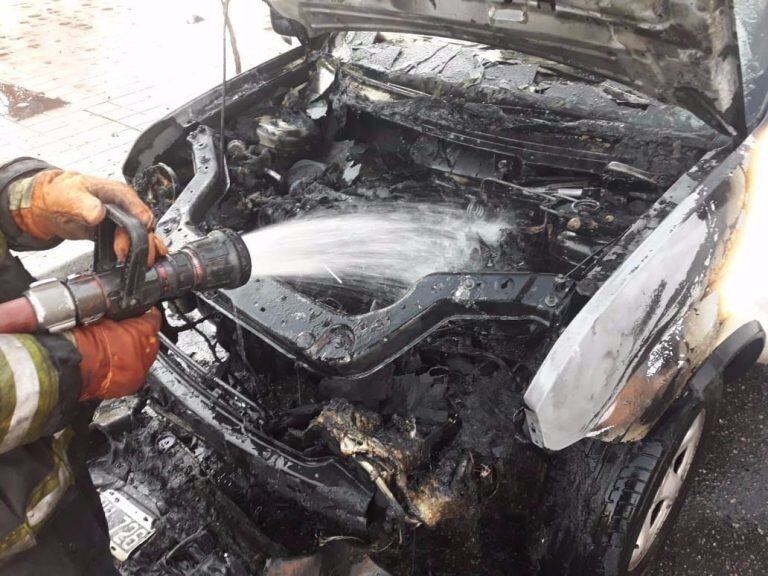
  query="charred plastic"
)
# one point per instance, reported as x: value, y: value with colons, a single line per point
x: 432, y: 438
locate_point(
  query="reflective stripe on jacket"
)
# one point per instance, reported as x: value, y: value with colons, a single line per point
x: 42, y: 500
x: 39, y: 389
x: 29, y: 387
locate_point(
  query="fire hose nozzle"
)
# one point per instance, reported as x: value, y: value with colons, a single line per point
x: 55, y: 308
x: 218, y: 260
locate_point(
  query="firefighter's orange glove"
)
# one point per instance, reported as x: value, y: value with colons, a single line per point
x: 117, y: 355
x: 69, y: 205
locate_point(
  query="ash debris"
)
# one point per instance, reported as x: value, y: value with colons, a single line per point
x: 177, y: 479
x: 210, y: 515
x: 440, y: 426
x: 440, y: 437
x: 571, y: 160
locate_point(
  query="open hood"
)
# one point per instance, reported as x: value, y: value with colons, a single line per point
x: 679, y: 51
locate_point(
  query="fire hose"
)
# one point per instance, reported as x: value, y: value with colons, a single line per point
x: 119, y: 290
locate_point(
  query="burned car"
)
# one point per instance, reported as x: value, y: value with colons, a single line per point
x: 552, y: 396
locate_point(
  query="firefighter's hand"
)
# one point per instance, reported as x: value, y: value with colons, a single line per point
x: 117, y: 355
x: 69, y: 205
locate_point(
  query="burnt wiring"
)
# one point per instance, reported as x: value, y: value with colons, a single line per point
x: 581, y: 269
x: 476, y: 353
x: 182, y: 544
x: 188, y: 324
x: 212, y: 379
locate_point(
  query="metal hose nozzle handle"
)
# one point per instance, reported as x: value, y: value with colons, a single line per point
x: 117, y: 291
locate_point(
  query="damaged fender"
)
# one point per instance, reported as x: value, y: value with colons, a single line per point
x: 631, y: 349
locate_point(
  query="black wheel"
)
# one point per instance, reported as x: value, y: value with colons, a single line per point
x: 607, y: 509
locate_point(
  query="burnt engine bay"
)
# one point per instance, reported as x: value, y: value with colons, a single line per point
x: 429, y: 446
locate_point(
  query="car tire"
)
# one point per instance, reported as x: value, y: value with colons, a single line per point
x: 607, y: 509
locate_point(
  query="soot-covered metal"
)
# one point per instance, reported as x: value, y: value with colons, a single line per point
x: 393, y: 414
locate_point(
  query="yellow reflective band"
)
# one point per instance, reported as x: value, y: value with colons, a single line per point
x: 48, y: 380
x: 20, y: 193
x: 43, y: 499
x: 27, y: 390
x: 7, y: 396
x: 60, y: 445
x: 17, y: 541
x: 47, y: 494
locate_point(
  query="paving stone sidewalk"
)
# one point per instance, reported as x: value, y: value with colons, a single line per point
x: 102, y: 70
x: 80, y: 80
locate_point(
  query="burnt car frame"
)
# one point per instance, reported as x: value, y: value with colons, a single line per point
x: 579, y: 367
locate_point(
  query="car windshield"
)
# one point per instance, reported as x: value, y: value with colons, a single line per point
x: 752, y: 26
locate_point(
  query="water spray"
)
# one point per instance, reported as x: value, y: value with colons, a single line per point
x: 382, y: 247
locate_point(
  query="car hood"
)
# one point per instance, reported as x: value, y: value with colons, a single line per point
x: 677, y: 51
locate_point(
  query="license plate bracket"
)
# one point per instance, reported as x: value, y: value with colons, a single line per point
x: 130, y: 525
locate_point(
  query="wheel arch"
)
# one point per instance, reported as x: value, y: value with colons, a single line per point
x: 729, y: 360
x: 732, y: 358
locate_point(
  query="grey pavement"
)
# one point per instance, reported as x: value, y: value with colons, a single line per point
x: 80, y: 80
x: 109, y: 68
x: 723, y: 527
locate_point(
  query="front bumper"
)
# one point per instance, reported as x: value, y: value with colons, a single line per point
x: 225, y: 419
